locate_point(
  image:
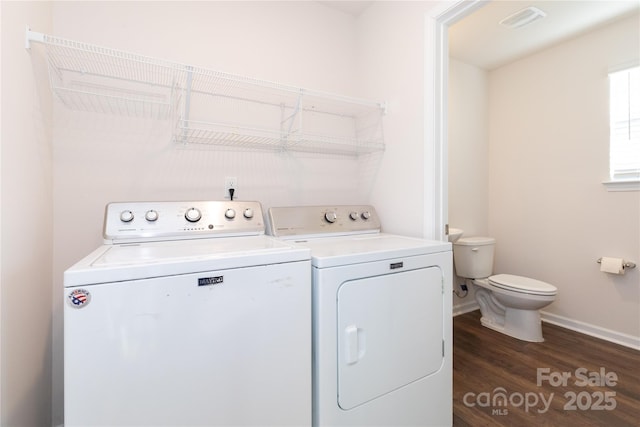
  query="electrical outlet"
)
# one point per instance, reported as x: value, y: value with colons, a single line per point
x: 230, y: 182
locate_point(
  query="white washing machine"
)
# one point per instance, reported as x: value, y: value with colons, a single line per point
x: 188, y: 315
x: 381, y: 318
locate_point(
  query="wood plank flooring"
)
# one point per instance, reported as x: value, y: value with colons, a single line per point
x: 568, y: 380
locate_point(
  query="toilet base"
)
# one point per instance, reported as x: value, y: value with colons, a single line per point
x: 518, y: 323
x: 518, y: 326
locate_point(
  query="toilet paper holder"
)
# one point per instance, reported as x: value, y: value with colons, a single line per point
x: 625, y: 264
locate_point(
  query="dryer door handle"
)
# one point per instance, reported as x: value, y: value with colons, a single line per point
x: 352, y: 351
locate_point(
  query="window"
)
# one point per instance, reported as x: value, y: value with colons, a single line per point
x: 624, y: 108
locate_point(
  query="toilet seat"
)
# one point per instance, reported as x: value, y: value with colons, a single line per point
x: 521, y: 284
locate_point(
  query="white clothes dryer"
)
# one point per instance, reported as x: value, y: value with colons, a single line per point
x: 188, y: 315
x: 381, y: 318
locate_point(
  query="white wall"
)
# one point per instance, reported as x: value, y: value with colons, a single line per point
x: 392, y: 49
x: 468, y: 148
x: 548, y: 210
x: 468, y: 144
x: 547, y: 156
x: 26, y: 212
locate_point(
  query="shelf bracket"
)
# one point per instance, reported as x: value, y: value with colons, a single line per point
x: 383, y: 107
x: 187, y: 101
x: 32, y: 36
x: 291, y: 118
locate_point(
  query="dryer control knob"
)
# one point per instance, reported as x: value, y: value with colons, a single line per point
x: 330, y: 217
x: 248, y: 213
x: 151, y: 215
x: 126, y: 216
x: 193, y: 215
x: 365, y: 215
x: 353, y: 216
x: 230, y: 214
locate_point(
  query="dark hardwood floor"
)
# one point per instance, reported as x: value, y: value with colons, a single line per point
x: 571, y: 379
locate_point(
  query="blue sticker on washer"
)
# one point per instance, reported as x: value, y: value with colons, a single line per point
x: 78, y: 298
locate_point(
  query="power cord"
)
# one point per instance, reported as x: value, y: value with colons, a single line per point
x: 464, y: 288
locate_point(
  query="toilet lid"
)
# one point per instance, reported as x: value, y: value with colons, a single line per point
x: 522, y: 284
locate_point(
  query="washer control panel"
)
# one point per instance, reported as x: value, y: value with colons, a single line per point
x: 320, y: 220
x: 152, y: 221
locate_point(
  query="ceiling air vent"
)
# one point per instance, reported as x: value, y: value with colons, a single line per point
x: 523, y: 17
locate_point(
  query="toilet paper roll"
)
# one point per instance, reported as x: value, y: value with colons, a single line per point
x: 612, y: 265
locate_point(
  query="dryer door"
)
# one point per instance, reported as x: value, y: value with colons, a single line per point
x: 390, y: 333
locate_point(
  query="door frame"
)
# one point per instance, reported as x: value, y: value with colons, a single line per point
x: 436, y: 110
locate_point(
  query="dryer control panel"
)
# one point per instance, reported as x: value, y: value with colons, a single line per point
x: 129, y: 222
x: 322, y: 220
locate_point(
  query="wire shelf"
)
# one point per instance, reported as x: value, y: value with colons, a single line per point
x: 96, y: 79
x: 69, y: 55
x: 206, y: 133
x: 243, y: 137
x: 210, y: 107
x: 82, y: 94
x: 338, y: 146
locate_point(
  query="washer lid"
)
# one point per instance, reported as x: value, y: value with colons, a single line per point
x: 522, y: 284
x: 115, y: 263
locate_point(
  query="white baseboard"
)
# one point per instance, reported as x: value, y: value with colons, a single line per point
x: 592, y: 330
x: 465, y: 307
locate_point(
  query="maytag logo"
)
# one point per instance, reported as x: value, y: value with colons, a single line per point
x: 208, y: 281
x: 395, y: 265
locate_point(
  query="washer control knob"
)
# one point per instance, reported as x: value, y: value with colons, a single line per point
x: 353, y: 216
x: 248, y: 213
x: 230, y: 214
x: 193, y: 215
x: 365, y: 215
x: 126, y: 216
x: 151, y: 215
x: 330, y: 217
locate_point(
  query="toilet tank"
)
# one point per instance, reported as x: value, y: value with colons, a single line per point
x: 473, y: 257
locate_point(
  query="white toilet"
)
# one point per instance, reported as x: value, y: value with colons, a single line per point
x: 508, y: 304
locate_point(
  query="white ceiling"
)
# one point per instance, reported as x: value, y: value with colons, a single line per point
x: 479, y: 40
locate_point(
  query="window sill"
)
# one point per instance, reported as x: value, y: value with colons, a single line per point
x: 629, y: 185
